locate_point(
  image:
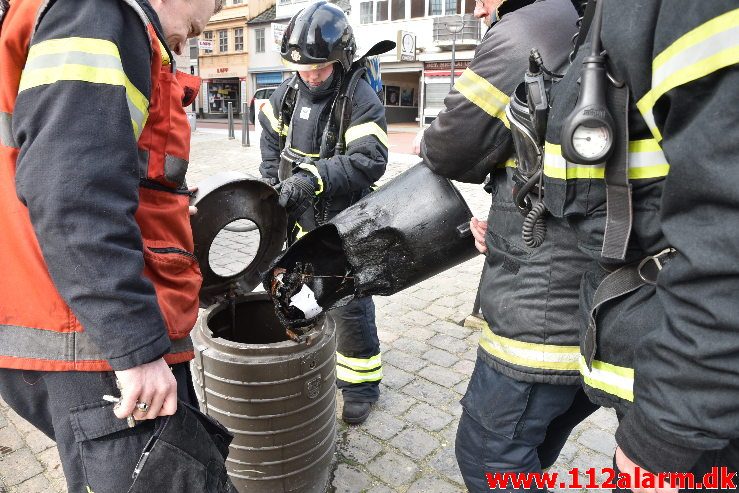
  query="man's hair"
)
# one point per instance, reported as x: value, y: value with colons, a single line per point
x: 219, y: 6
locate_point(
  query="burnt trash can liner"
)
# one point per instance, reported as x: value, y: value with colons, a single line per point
x: 410, y: 229
x: 276, y: 396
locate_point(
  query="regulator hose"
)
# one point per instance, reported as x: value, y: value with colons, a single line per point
x: 534, y: 228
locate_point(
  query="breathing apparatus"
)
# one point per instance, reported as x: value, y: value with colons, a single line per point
x: 587, y: 134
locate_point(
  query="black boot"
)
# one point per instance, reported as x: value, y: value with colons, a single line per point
x: 355, y: 412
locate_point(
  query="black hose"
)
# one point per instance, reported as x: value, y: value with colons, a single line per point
x: 534, y: 228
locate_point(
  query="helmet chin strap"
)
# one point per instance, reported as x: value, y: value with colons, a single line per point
x: 323, y: 85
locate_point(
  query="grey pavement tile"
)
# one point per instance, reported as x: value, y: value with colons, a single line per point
x: 22, y: 426
x: 427, y: 293
x: 415, y: 442
x: 381, y: 488
x: 359, y: 447
x: 440, y: 357
x: 49, y: 458
x: 386, y: 336
x: 605, y: 419
x: 428, y: 417
x: 449, y: 434
x: 350, y: 480
x: 434, y: 484
x: 403, y: 360
x: 444, y: 462
x: 449, y: 343
x: 3, y: 420
x: 411, y: 346
x: 38, y: 442
x: 394, y: 469
x: 442, y: 376
x: 394, y: 402
x: 422, y: 334
x: 461, y: 387
x: 10, y: 440
x: 383, y: 426
x: 411, y: 302
x: 568, y: 452
x: 19, y: 466
x: 464, y: 367
x: 430, y: 393
x: 417, y: 317
x: 37, y: 484
x: 441, y: 312
x: 394, y: 377
x: 598, y: 440
x: 586, y: 459
x: 450, y: 329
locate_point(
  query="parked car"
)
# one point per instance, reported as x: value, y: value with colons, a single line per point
x: 261, y: 96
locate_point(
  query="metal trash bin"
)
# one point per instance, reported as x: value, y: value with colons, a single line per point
x: 276, y: 396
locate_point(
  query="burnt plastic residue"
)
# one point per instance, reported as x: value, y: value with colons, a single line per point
x: 320, y: 265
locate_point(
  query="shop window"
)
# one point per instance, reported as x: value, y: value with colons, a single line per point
x: 259, y: 40
x: 450, y: 7
x: 223, y: 41
x: 435, y: 94
x: 365, y: 13
x: 236, y: 2
x: 222, y: 93
x: 382, y: 10
x: 417, y: 8
x: 208, y: 36
x: 194, y: 48
x: 398, y: 10
x: 239, y: 39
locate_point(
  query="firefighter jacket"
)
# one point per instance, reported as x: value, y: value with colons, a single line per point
x: 666, y: 354
x: 98, y: 269
x: 342, y: 178
x: 529, y: 297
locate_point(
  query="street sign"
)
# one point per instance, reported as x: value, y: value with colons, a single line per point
x: 205, y: 44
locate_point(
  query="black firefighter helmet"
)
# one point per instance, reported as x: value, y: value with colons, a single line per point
x: 317, y: 36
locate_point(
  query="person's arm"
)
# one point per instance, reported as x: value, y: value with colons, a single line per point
x: 269, y: 142
x: 366, y: 154
x: 86, y: 81
x: 687, y: 370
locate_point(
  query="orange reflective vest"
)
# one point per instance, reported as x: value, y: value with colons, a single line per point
x: 38, y: 330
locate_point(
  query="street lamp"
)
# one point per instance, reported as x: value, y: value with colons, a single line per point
x: 454, y: 28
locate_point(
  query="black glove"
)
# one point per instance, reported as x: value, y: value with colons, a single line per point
x: 297, y: 193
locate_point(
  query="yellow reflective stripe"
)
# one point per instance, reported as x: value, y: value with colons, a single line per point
x: 528, y: 354
x: 351, y: 376
x: 87, y: 60
x: 270, y: 114
x: 615, y: 380
x: 511, y: 163
x: 365, y: 129
x: 359, y: 363
x: 483, y: 94
x: 165, y: 55
x: 301, y: 231
x: 298, y: 151
x: 709, y: 47
x: 646, y: 160
x: 312, y: 169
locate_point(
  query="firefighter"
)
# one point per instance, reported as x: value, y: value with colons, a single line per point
x: 524, y: 397
x: 324, y: 160
x: 659, y: 317
x: 100, y: 286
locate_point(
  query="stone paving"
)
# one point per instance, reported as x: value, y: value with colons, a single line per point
x: 407, y: 444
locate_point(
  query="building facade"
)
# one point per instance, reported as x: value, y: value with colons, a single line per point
x: 429, y: 33
x: 223, y: 58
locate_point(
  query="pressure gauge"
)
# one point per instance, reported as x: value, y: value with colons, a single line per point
x: 591, y: 142
x: 587, y: 133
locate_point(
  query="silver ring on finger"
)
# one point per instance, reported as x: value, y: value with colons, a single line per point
x: 142, y: 406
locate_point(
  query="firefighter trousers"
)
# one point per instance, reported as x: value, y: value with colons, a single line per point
x: 358, y: 359
x: 513, y: 426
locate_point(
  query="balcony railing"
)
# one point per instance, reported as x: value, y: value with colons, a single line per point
x: 468, y: 36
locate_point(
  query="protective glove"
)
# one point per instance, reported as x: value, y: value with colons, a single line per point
x: 297, y: 193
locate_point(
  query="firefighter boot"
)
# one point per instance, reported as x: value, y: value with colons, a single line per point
x: 356, y: 412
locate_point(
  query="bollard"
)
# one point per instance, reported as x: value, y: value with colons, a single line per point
x: 244, y: 125
x: 231, y: 121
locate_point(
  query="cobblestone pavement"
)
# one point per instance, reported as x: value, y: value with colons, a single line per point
x: 407, y: 444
